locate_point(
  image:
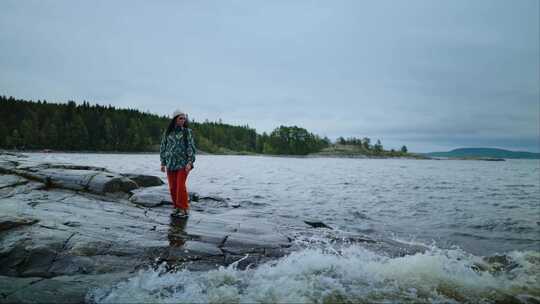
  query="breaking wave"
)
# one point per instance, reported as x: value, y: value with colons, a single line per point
x: 351, y: 274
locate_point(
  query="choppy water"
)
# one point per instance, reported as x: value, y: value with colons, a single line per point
x: 464, y: 210
x: 355, y: 275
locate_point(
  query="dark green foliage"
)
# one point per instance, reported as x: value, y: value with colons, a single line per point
x: 220, y: 137
x: 363, y: 146
x: 291, y: 140
x: 378, y: 148
x: 43, y: 125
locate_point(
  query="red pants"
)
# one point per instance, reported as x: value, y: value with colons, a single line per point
x: 177, y: 186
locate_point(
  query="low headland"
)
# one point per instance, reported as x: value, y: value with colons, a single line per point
x: 62, y: 127
x: 484, y: 154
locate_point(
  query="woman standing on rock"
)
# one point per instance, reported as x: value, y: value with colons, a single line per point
x: 177, y: 155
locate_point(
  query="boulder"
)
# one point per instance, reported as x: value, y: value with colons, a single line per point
x: 61, y: 289
x: 144, y: 180
x: 80, y: 178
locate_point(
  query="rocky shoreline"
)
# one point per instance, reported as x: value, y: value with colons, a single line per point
x: 65, y: 229
x: 241, y: 153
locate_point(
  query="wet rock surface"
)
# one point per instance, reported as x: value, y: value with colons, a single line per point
x: 8, y: 222
x: 144, y: 180
x: 65, y: 229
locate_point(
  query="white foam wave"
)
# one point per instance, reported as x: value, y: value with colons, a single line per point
x: 352, y: 275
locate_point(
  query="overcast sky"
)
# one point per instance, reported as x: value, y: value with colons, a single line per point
x: 432, y: 75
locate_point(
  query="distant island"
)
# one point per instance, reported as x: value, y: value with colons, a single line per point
x: 361, y: 148
x: 484, y: 153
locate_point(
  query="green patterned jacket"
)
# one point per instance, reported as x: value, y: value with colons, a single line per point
x: 173, y: 152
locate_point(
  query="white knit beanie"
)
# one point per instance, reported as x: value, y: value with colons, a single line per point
x: 178, y: 112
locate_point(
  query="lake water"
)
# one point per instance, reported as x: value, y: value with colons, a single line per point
x: 462, y: 210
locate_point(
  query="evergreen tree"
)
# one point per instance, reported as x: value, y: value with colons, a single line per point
x: 27, y: 133
x: 39, y: 125
x: 15, y: 141
x: 109, y: 135
x: 79, y: 133
x: 366, y: 143
x: 50, y: 138
x: 3, y: 134
x: 378, y: 148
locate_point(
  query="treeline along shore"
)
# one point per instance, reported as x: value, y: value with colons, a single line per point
x: 30, y: 125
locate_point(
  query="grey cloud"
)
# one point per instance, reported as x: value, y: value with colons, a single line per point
x: 430, y: 74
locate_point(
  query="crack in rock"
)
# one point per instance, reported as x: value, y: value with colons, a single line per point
x: 19, y: 183
x: 60, y: 251
x: 222, y: 243
x: 87, y: 186
x: 9, y: 222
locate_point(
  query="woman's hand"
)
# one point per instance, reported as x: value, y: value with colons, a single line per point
x: 162, y: 168
x: 189, y: 167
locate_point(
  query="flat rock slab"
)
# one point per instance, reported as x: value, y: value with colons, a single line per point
x: 88, y: 180
x: 62, y: 289
x: 86, y: 234
x: 11, y: 181
x: 151, y: 197
x: 74, y: 177
x: 79, y: 180
x: 8, y: 222
x: 24, y: 187
x: 10, y: 285
x: 156, y: 196
x: 237, y: 231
